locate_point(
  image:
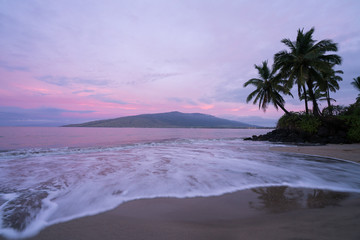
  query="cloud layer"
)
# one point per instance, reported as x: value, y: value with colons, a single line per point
x: 117, y: 58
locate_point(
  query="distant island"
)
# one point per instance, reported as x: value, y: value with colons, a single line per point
x: 166, y: 120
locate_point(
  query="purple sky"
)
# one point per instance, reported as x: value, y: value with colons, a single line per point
x: 72, y: 61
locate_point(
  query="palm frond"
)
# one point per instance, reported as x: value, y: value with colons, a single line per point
x: 288, y: 43
x: 356, y: 83
x: 254, y: 81
x: 251, y: 95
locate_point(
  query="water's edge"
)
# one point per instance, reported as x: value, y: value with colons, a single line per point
x: 44, y: 186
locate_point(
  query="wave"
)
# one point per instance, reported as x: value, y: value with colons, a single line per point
x: 60, y: 184
x: 30, y: 152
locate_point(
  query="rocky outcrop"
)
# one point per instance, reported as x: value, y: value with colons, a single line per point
x: 290, y: 136
x: 329, y: 131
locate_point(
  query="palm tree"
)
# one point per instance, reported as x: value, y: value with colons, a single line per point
x: 305, y: 63
x: 268, y: 88
x: 329, y: 84
x: 356, y: 84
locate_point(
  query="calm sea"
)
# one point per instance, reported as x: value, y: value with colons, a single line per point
x: 51, y: 175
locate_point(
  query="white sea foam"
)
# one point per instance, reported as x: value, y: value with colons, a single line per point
x: 45, y: 187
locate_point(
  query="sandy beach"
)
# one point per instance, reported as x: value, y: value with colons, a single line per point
x: 350, y: 152
x: 260, y: 213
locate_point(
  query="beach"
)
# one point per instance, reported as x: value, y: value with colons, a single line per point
x: 350, y: 152
x: 255, y: 213
x: 260, y: 213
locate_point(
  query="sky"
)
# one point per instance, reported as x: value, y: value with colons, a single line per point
x: 72, y: 61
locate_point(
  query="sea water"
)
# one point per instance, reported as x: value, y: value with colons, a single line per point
x: 51, y: 175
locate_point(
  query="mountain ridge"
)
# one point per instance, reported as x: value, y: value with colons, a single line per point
x: 173, y: 119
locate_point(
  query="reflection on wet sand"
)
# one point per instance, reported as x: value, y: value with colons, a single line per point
x: 282, y: 199
x: 322, y: 198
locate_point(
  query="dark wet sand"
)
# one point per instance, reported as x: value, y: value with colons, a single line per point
x: 262, y: 213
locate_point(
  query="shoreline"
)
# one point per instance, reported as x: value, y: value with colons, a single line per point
x: 259, y: 213
x: 348, y: 152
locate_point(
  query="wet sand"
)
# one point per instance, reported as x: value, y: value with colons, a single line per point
x: 261, y: 213
x: 350, y: 152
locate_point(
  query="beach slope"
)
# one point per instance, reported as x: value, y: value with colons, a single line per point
x: 350, y: 152
x: 261, y: 213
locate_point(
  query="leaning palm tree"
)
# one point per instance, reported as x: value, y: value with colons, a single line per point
x: 268, y: 88
x: 356, y: 84
x: 305, y: 63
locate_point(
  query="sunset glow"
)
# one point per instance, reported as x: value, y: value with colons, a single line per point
x: 72, y: 61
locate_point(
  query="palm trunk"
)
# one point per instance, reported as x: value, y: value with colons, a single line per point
x: 328, y: 102
x: 316, y: 111
x: 282, y: 107
x: 286, y: 111
x: 306, y: 101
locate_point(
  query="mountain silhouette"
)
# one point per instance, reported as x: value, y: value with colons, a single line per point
x: 166, y: 120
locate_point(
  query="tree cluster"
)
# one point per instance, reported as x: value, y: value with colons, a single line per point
x: 308, y: 65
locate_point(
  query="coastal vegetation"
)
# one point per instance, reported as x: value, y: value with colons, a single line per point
x: 309, y: 66
x: 356, y: 84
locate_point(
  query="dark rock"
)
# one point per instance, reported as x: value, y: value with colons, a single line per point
x: 342, y: 134
x: 331, y: 130
x: 323, y: 136
x: 323, y: 132
x: 315, y: 139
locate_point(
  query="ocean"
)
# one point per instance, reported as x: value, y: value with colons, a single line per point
x: 52, y: 175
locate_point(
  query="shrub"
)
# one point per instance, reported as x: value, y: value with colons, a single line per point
x: 354, y: 134
x: 334, y: 110
x: 288, y: 121
x: 353, y: 110
x: 352, y: 120
x: 309, y: 124
x: 299, y: 122
x: 344, y: 120
x: 353, y: 124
